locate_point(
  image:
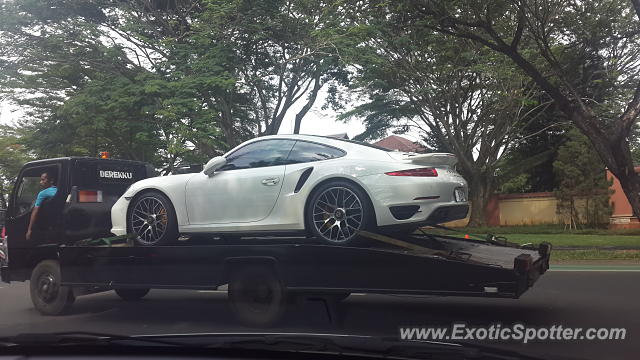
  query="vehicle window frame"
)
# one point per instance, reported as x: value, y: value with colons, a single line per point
x: 12, y: 211
x: 255, y: 142
x: 344, y: 152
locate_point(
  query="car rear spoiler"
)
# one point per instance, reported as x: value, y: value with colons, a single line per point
x: 433, y: 159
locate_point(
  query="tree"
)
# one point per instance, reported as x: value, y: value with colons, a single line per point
x: 582, y: 175
x: 164, y: 81
x: 466, y: 100
x: 282, y: 51
x: 582, y: 54
x: 528, y: 165
x: 82, y: 93
x: 12, y: 157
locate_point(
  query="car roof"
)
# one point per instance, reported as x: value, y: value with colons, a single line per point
x: 328, y: 140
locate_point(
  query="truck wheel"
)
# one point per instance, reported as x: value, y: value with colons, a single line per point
x: 337, y: 211
x: 256, y: 295
x: 153, y: 219
x: 48, y: 297
x: 131, y: 294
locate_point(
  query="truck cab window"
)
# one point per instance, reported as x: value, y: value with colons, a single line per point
x: 29, y: 188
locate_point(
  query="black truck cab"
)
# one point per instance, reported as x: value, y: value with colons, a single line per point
x: 87, y: 188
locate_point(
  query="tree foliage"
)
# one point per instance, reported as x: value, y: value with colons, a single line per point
x: 164, y: 81
x: 584, y: 55
x: 461, y: 97
x: 582, y: 177
x: 12, y: 156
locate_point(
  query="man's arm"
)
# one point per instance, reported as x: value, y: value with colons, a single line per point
x: 34, y: 216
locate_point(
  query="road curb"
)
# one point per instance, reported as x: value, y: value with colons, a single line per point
x: 596, y: 268
x: 571, y: 248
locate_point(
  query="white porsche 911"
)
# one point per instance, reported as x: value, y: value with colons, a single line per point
x: 324, y: 187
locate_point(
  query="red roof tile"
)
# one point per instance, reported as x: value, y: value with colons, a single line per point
x: 395, y: 142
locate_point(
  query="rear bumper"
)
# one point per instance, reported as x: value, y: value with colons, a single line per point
x: 438, y: 216
x: 394, y: 198
x: 448, y: 213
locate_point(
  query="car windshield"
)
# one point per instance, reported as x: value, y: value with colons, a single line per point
x: 401, y: 179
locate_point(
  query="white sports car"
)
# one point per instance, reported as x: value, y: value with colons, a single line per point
x: 324, y: 187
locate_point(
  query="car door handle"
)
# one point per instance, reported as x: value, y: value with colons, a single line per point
x: 270, y: 181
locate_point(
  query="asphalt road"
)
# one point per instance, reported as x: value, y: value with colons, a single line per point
x: 571, y: 299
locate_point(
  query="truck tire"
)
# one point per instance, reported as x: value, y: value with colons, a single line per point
x: 131, y: 294
x: 256, y: 295
x: 151, y: 216
x: 345, y: 207
x: 47, y: 295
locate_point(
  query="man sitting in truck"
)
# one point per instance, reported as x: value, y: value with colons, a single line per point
x: 49, y: 189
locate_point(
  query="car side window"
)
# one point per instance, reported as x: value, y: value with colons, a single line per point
x: 259, y: 154
x: 307, y: 152
x: 29, y: 189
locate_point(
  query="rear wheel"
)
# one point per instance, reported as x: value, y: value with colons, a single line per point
x: 47, y: 295
x: 131, y: 294
x: 337, y: 211
x: 153, y: 219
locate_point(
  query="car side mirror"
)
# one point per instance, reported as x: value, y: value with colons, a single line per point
x: 214, y: 164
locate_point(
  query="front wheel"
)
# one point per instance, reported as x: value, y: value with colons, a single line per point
x: 153, y: 219
x: 337, y: 211
x: 47, y: 295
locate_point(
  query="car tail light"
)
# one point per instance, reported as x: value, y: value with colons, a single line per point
x: 90, y: 196
x: 431, y: 172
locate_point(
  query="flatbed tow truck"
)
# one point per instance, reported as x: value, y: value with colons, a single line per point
x: 71, y: 253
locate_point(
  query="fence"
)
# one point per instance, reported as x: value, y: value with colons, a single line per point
x: 522, y: 209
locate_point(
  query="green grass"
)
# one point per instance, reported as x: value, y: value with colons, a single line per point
x: 548, y: 229
x: 577, y: 240
x: 536, y: 234
x: 594, y: 254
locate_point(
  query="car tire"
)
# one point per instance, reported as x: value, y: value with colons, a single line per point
x: 47, y: 295
x: 351, y: 208
x: 256, y: 295
x: 151, y: 216
x: 131, y: 294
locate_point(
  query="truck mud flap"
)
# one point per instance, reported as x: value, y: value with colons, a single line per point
x: 4, y: 274
x: 528, y: 277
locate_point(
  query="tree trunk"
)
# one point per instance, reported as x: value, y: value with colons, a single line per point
x: 226, y: 121
x: 312, y: 99
x: 616, y: 155
x: 613, y: 149
x: 630, y: 183
x: 480, y: 190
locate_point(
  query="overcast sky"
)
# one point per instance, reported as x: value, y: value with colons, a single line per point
x: 316, y: 122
